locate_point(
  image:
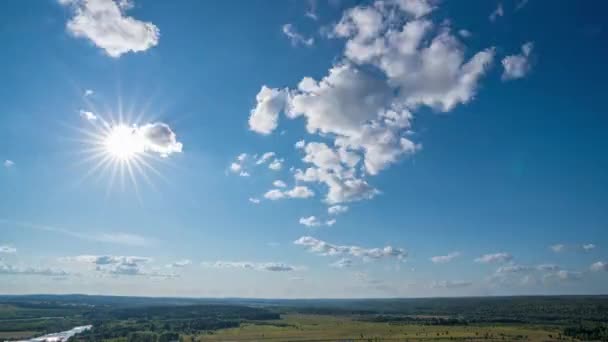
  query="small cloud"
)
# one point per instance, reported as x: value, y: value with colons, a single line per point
x: 88, y: 92
x: 299, y: 191
x: 265, y: 157
x: 250, y: 265
x: 104, y: 23
x: 276, y: 165
x: 295, y: 37
x: 464, y: 33
x: 254, y: 200
x: 180, y: 263
x: 342, y: 263
x: 448, y: 284
x: 442, y: 259
x: 279, y: 184
x: 521, y: 4
x: 558, y: 248
x: 498, y: 12
x: 87, y: 115
x: 327, y: 249
x: 494, y: 258
x: 337, y: 209
x: 517, y: 66
x: 8, y: 163
x: 8, y: 249
x: 300, y: 144
x: 310, y: 221
x: 599, y: 266
x: 588, y: 247
x: 330, y: 222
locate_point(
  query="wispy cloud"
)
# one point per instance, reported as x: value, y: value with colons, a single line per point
x: 295, y: 37
x: 442, y: 259
x: 494, y: 258
x: 6, y: 249
x: 119, y: 238
x: 250, y: 265
x: 328, y: 249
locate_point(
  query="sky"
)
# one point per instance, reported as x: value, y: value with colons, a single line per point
x: 303, y: 149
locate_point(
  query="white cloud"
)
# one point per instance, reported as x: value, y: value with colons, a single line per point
x: 448, y: 284
x: 599, y: 266
x: 330, y: 222
x: 34, y: 271
x: 588, y: 247
x: 498, y: 12
x: 395, y: 61
x: 442, y: 259
x: 7, y: 249
x: 276, y: 165
x: 160, y: 138
x: 342, y: 263
x: 87, y: 115
x: 249, y: 265
x: 180, y: 263
x: 265, y: 157
x: 337, y: 209
x: 8, y: 163
x: 310, y: 221
x: 254, y: 200
x: 299, y: 191
x: 567, y: 275
x: 238, y: 166
x: 494, y: 258
x: 295, y: 37
x: 327, y: 249
x: 118, y: 265
x: 558, y: 248
x: 464, y: 33
x: 106, y: 25
x: 264, y: 117
x: 88, y: 92
x: 517, y: 66
x: 300, y: 144
x: 279, y: 184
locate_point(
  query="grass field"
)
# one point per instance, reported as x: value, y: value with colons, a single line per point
x: 335, y: 328
x: 13, y: 335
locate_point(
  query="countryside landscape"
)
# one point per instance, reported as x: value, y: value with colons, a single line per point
x: 546, y: 318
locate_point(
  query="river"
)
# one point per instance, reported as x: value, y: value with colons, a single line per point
x: 60, y: 336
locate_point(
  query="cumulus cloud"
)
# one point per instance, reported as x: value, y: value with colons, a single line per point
x: 298, y: 191
x: 517, y: 66
x: 295, y: 37
x: 395, y: 61
x: 7, y: 249
x: 337, y: 209
x: 498, y: 12
x: 494, y: 258
x: 449, y: 284
x: 264, y: 117
x: 249, y: 265
x: 238, y: 166
x: 87, y: 115
x: 8, y: 163
x: 160, y: 139
x: 599, y: 266
x: 442, y: 259
x: 327, y: 249
x: 254, y: 200
x: 105, y: 24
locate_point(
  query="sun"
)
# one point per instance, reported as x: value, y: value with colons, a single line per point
x: 123, y: 143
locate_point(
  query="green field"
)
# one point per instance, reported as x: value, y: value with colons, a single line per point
x: 333, y: 328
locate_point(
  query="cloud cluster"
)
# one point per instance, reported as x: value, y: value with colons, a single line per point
x: 249, y: 265
x: 395, y: 60
x: 105, y: 24
x: 115, y: 265
x: 327, y: 249
x: 514, y: 274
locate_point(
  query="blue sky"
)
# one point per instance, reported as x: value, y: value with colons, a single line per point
x: 461, y: 149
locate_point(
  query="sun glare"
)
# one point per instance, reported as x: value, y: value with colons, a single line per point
x: 124, y: 142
